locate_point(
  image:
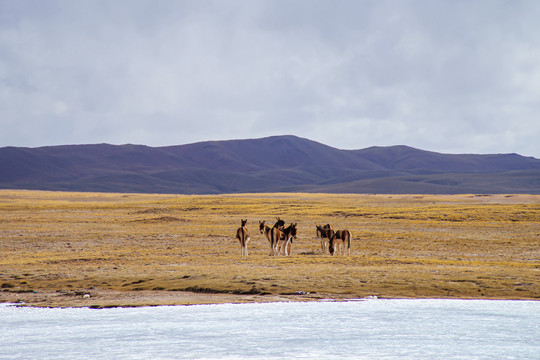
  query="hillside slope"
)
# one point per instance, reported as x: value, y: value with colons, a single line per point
x: 278, y: 163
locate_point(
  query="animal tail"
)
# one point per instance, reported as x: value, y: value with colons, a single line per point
x: 349, y: 242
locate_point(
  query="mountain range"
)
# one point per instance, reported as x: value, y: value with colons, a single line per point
x: 272, y: 164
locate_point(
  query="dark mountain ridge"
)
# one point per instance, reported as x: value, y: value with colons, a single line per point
x: 271, y: 164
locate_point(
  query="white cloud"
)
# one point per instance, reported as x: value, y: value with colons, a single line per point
x: 444, y: 76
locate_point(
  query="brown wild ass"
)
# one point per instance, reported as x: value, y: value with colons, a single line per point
x: 325, y: 233
x: 339, y: 240
x: 276, y: 233
x: 283, y: 239
x: 242, y: 234
x: 272, y: 234
x: 275, y: 236
x: 267, y: 231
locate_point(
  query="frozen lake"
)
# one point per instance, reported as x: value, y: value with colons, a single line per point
x: 368, y: 329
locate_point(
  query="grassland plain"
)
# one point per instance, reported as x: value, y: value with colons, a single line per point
x: 101, y: 249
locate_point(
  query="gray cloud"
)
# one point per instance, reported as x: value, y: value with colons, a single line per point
x: 450, y: 76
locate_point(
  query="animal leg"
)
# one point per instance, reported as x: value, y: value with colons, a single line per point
x: 244, y: 247
x: 280, y: 248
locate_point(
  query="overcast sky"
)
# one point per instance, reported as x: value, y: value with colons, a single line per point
x: 449, y: 76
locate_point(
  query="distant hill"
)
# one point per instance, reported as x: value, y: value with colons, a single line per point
x: 272, y: 164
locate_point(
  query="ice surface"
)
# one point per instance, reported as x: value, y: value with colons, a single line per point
x: 368, y: 329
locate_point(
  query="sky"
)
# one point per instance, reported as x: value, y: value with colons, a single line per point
x: 455, y: 76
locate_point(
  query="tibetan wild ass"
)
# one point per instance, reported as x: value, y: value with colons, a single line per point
x: 276, y: 234
x: 267, y: 231
x: 339, y: 240
x: 242, y: 234
x: 325, y: 233
x: 284, y: 241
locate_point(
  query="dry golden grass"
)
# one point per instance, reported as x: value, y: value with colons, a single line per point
x: 463, y: 246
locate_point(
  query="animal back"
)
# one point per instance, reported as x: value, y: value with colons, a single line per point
x: 242, y: 233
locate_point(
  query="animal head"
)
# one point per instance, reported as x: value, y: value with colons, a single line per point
x: 244, y: 222
x: 319, y: 230
x: 279, y: 223
x: 325, y: 231
x: 293, y: 230
x: 262, y: 225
